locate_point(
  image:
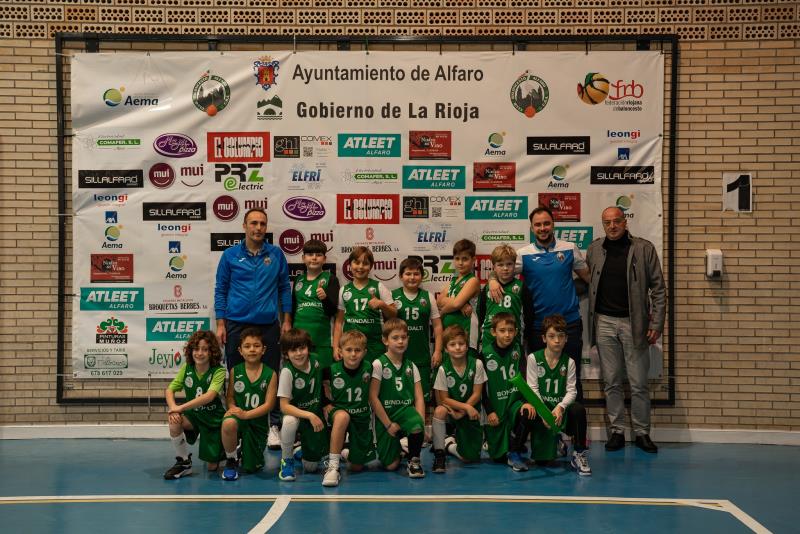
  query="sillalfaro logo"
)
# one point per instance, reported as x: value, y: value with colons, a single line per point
x: 112, y: 298
x: 368, y: 145
x: 529, y: 94
x: 175, y: 328
x: 496, y: 207
x: 433, y: 177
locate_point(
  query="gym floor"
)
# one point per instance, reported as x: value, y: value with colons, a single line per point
x: 94, y: 485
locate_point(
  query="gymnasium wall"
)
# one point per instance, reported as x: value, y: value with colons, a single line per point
x: 737, y: 365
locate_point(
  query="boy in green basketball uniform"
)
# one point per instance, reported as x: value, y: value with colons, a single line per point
x: 458, y: 386
x: 363, y: 304
x: 516, y: 298
x: 202, y: 380
x: 395, y: 395
x: 458, y: 306
x: 300, y: 393
x: 250, y: 397
x: 347, y: 385
x: 314, y: 300
x: 415, y: 306
x: 551, y: 375
x: 509, y: 419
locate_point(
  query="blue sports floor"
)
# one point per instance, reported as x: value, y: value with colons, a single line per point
x: 65, y: 486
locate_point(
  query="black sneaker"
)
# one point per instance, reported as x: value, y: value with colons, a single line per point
x: 615, y: 442
x: 644, y: 442
x: 415, y: 468
x: 439, y: 461
x: 181, y: 468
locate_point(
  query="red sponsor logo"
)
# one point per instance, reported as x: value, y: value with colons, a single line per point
x: 565, y: 206
x: 239, y: 147
x: 483, y: 267
x: 367, y: 209
x: 494, y: 176
x: 425, y: 144
x: 115, y: 268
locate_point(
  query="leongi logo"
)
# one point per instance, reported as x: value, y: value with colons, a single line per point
x: 225, y: 208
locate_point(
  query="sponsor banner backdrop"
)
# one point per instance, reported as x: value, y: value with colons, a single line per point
x: 402, y: 152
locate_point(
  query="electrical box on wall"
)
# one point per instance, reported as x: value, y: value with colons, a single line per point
x: 713, y: 263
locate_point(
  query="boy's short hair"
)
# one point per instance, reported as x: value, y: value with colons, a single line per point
x: 503, y: 253
x: 411, y: 263
x: 541, y: 209
x: 315, y: 246
x: 214, y: 352
x: 360, y: 252
x: 503, y: 317
x: 250, y: 332
x: 556, y: 322
x: 393, y: 324
x: 353, y: 337
x: 464, y: 246
x: 294, y: 339
x: 452, y: 332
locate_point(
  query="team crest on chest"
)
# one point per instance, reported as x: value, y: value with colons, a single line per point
x: 338, y: 382
x: 267, y: 260
x: 263, y: 385
x: 299, y: 383
x: 491, y: 365
x: 560, y: 256
x: 515, y: 355
x: 188, y: 381
x: 408, y: 371
x: 423, y: 302
x: 347, y: 295
x: 299, y: 285
x: 539, y: 371
x: 387, y: 373
x: 515, y: 289
x: 451, y: 381
x: 238, y: 386
x: 563, y: 370
x: 398, y: 304
x: 365, y: 377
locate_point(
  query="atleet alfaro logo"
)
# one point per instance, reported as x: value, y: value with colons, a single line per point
x: 353, y: 145
x: 433, y: 177
x: 529, y: 94
x: 112, y: 298
x: 496, y: 207
x: 174, y: 328
x: 211, y: 94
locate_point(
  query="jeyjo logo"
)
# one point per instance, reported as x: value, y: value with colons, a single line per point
x: 225, y: 208
x: 367, y: 209
x: 529, y: 94
x: 239, y: 147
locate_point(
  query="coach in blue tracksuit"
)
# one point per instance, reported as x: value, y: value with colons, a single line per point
x: 252, y: 288
x: 547, y: 265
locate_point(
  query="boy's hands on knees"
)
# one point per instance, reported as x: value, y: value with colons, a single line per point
x: 174, y: 418
x: 326, y: 411
x: 558, y: 413
x: 492, y: 419
x: 472, y: 413
x: 393, y: 429
x: 236, y: 411
x: 316, y: 423
x: 528, y: 411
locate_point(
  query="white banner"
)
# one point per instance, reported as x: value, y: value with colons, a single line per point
x: 403, y: 152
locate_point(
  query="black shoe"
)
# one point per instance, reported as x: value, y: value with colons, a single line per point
x: 439, y: 461
x: 644, y: 442
x: 181, y: 468
x: 616, y: 442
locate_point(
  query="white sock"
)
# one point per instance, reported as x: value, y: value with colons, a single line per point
x: 181, y: 448
x: 333, y: 461
x: 452, y: 448
x: 230, y: 455
x: 439, y: 431
x: 288, y: 432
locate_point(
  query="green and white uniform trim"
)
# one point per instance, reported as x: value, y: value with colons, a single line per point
x: 359, y: 316
x: 309, y: 313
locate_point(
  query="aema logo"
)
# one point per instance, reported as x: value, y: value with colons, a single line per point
x: 580, y: 235
x: 113, y: 97
x: 175, y: 328
x: 111, y: 298
x: 433, y: 177
x: 369, y: 145
x: 496, y: 207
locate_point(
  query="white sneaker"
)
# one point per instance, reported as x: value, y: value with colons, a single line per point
x: 331, y: 478
x: 274, y: 438
x: 404, y: 444
x: 448, y: 441
x: 345, y: 454
x: 580, y: 463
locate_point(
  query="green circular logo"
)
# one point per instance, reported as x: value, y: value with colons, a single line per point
x: 112, y: 97
x: 176, y: 264
x: 624, y: 203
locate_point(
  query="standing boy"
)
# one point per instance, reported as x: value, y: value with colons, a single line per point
x: 395, y: 395
x: 458, y: 306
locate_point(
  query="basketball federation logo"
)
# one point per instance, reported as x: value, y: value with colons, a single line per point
x: 594, y: 88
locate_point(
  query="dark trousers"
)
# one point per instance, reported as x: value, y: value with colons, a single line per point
x: 576, y: 425
x: 270, y: 335
x: 574, y: 348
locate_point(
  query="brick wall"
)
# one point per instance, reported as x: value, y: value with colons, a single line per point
x: 737, y: 365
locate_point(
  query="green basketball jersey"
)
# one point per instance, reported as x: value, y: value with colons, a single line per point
x: 195, y: 385
x: 511, y: 303
x: 307, y: 387
x: 397, y: 385
x: 456, y: 317
x: 500, y: 369
x: 250, y: 395
x: 552, y: 382
x: 459, y: 387
x: 309, y: 313
x: 359, y: 316
x: 351, y: 393
x: 417, y: 315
